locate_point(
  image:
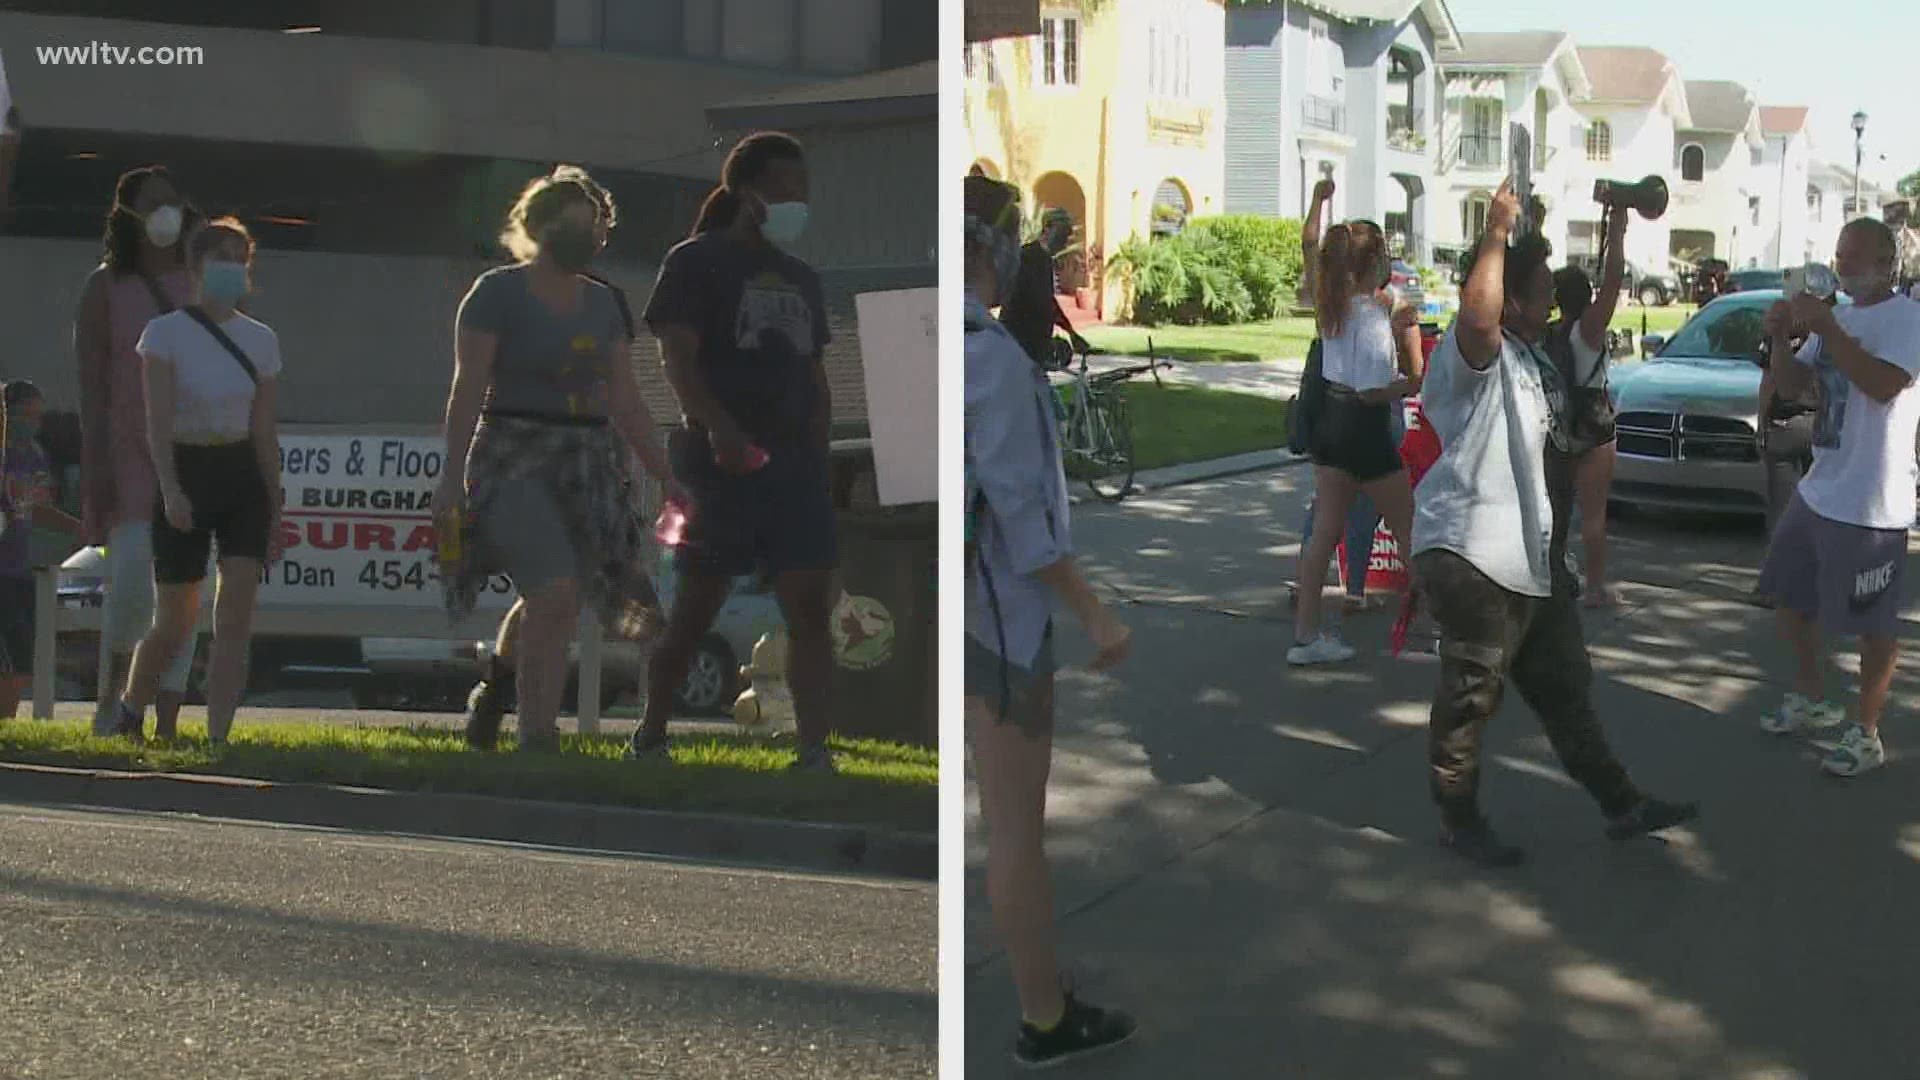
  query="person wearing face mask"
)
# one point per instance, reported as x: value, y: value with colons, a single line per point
x: 495, y: 693
x: 1367, y: 342
x: 212, y: 376
x: 542, y: 419
x: 141, y: 276
x: 1482, y: 532
x: 1019, y: 561
x: 1835, y: 563
x: 1032, y: 311
x: 26, y: 503
x: 742, y: 326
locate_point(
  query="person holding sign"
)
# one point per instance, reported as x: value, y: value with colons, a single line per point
x: 743, y: 333
x: 1364, y: 334
x: 538, y: 484
x: 1482, y: 533
x: 212, y: 382
x: 142, y: 275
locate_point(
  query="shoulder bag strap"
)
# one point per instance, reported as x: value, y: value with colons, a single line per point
x: 220, y: 336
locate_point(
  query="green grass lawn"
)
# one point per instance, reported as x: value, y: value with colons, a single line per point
x: 1288, y: 338
x: 1173, y: 425
x: 880, y: 784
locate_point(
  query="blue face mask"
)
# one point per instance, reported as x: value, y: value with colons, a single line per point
x: 223, y: 282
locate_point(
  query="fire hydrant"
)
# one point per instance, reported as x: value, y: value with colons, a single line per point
x: 767, y: 703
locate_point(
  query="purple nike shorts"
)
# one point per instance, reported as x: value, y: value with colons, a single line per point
x: 1845, y: 576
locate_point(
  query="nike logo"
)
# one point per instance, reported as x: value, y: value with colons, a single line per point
x: 1870, y: 585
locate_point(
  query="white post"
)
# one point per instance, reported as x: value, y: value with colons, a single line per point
x: 46, y: 621
x: 590, y: 642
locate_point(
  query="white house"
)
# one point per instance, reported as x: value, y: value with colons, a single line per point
x: 1779, y: 181
x: 1629, y: 120
x: 1344, y: 89
x: 1715, y: 210
x: 1532, y: 78
x: 1830, y: 206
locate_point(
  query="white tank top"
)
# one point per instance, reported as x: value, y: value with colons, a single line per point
x: 1361, y: 357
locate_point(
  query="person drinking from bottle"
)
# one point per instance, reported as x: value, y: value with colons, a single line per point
x: 542, y: 417
x: 1365, y: 336
x: 742, y: 325
x: 1019, y: 562
x: 212, y: 386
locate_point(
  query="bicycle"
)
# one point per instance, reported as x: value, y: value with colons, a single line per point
x: 1096, y: 426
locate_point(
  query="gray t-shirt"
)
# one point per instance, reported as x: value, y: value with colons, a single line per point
x: 1486, y: 499
x: 545, y: 363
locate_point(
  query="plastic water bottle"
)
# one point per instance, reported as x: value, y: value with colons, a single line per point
x: 671, y: 527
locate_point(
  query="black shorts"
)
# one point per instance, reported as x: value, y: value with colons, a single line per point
x: 1356, y: 437
x: 16, y: 627
x: 230, y: 512
x: 776, y: 519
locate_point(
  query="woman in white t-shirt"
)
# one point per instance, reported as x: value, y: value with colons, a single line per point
x: 211, y: 377
x: 1578, y: 345
x: 1368, y: 346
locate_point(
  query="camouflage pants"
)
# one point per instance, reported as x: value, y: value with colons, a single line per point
x: 1487, y: 635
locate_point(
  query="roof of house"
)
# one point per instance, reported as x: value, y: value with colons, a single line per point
x: 1626, y: 72
x: 1438, y: 14
x: 897, y: 94
x: 1783, y: 119
x: 1718, y: 105
x: 1519, y: 48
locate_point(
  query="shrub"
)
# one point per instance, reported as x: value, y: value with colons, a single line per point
x: 1232, y: 269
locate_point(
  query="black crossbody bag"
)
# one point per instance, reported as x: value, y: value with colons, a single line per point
x: 220, y: 336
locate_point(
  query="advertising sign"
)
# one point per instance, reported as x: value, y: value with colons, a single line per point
x: 900, y: 351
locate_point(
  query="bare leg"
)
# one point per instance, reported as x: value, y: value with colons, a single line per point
x: 1803, y: 635
x: 1393, y: 495
x: 12, y: 689
x: 1878, y: 655
x: 696, y: 603
x: 552, y: 616
x: 176, y: 611
x: 1013, y: 765
x: 1593, y: 483
x: 1334, y: 492
x: 233, y: 600
x: 806, y: 602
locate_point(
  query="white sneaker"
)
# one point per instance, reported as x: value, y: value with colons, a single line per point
x: 1325, y: 649
x: 1858, y: 752
x: 1800, y: 713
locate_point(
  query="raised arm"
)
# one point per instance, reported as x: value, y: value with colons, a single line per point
x: 1311, y: 232
x: 1599, y: 314
x: 1483, y: 298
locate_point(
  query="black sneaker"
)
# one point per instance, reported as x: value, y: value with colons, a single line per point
x: 1650, y: 816
x: 1083, y: 1030
x: 486, y: 708
x: 815, y: 759
x: 129, y: 725
x: 1477, y: 843
x: 639, y: 749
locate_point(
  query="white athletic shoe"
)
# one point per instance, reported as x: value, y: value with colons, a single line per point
x: 1325, y: 649
x: 1799, y: 713
x: 1858, y: 752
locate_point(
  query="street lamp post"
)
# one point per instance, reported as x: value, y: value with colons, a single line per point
x: 1859, y: 130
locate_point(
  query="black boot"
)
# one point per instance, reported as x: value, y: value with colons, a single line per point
x: 487, y: 705
x: 1475, y: 841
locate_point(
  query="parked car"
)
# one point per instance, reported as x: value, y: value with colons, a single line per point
x: 1406, y: 280
x: 1688, y: 417
x: 1651, y: 289
x: 1739, y: 281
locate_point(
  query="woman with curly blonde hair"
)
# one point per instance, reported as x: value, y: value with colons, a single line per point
x: 541, y: 402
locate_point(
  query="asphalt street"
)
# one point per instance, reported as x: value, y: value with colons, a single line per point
x: 140, y: 946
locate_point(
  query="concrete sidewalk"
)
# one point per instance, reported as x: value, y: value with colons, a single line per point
x: 1246, y: 853
x: 1267, y: 378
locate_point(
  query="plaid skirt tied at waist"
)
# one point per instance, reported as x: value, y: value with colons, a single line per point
x: 588, y: 473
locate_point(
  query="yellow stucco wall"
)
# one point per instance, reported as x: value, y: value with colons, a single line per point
x: 1115, y: 138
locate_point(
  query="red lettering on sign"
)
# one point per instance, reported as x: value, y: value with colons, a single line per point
x: 420, y: 539
x: 367, y: 537
x: 327, y: 538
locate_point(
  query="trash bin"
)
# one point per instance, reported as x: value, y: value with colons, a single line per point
x: 885, y: 627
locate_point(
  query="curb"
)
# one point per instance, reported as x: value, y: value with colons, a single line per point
x: 775, y: 844
x: 1219, y: 469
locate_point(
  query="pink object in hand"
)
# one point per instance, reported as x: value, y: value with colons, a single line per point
x: 756, y: 457
x: 671, y: 528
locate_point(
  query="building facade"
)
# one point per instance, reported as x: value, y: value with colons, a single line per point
x: 1637, y: 104
x: 1780, y: 181
x: 1113, y: 113
x: 1718, y: 161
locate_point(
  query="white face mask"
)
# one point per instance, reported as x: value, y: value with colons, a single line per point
x: 163, y: 226
x: 785, y: 223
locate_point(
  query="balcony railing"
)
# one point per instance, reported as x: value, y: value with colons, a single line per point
x: 1405, y: 130
x: 1323, y: 114
x: 1480, y: 151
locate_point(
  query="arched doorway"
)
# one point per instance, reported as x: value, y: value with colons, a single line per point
x: 1060, y: 191
x: 1172, y: 206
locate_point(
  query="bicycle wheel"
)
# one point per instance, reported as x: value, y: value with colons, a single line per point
x: 1109, y: 461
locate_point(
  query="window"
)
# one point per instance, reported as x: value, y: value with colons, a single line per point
x: 1473, y: 216
x: 1480, y: 134
x: 1753, y: 208
x: 1169, y: 62
x: 1324, y: 61
x: 1600, y: 141
x: 1060, y: 50
x: 1693, y: 162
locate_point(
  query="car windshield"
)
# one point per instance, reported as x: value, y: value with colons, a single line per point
x: 1721, y: 332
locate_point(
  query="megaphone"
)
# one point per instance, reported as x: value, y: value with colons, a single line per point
x: 1649, y: 196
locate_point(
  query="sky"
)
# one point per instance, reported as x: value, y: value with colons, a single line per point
x: 1835, y: 57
